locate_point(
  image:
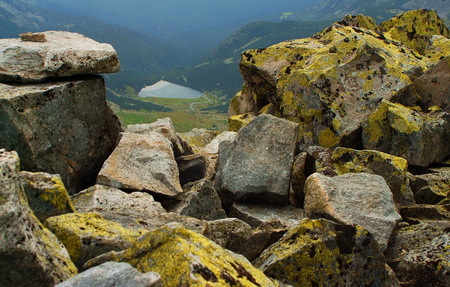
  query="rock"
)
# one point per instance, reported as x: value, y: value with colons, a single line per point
x: 434, y: 86
x: 136, y: 210
x: 211, y: 153
x: 62, y: 54
x: 142, y: 162
x: 198, y: 138
x: 200, y: 200
x: 46, y: 194
x: 183, y: 257
x: 243, y: 103
x: 359, y: 21
x: 431, y: 188
x: 405, y: 28
x: 323, y: 253
x: 191, y: 168
x: 300, y: 173
x: 419, y: 254
x: 235, y: 123
x: 162, y: 126
x: 32, y: 37
x: 30, y: 255
x: 87, y: 235
x: 323, y: 161
x: 257, y: 214
x: 258, y: 163
x: 113, y: 274
x: 62, y: 127
x: 421, y: 138
x: 393, y: 169
x: 353, y: 198
x: 421, y: 212
x: 331, y: 82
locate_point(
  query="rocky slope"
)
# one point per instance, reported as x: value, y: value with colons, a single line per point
x: 337, y: 176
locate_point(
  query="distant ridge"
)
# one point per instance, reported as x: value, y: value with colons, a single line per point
x: 163, y: 89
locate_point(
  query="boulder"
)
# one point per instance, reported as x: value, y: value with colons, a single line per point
x: 30, y: 255
x: 87, y: 235
x: 113, y: 274
x: 185, y: 258
x: 359, y: 21
x: 421, y: 138
x: 46, y: 194
x: 243, y: 102
x: 258, y: 162
x: 235, y: 123
x: 431, y: 188
x: 300, y: 173
x: 200, y: 200
x: 191, y: 167
x: 393, y: 169
x: 162, y: 126
x: 323, y: 253
x: 257, y: 214
x: 198, y: 138
x: 62, y: 54
x: 353, y: 198
x: 211, y: 153
x: 142, y: 162
x: 420, y: 254
x: 59, y: 127
x: 425, y: 212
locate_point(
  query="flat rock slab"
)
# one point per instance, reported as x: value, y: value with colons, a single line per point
x: 62, y: 54
x: 353, y: 198
x: 258, y: 162
x: 142, y: 162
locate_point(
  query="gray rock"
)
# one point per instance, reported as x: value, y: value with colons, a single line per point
x: 200, y: 200
x: 62, y: 54
x: 300, y: 173
x: 257, y: 214
x: 258, y: 163
x: 420, y: 212
x: 198, y: 138
x: 142, y: 162
x: 431, y: 188
x: 191, y: 167
x: 63, y: 128
x: 211, y: 153
x: 113, y: 274
x: 323, y: 253
x: 30, y: 255
x: 353, y: 198
x: 162, y: 126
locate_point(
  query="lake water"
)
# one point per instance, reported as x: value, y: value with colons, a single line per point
x: 163, y: 89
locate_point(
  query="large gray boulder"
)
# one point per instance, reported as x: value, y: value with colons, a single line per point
x: 353, y: 198
x: 30, y: 255
x: 142, y: 162
x: 61, y: 54
x: 60, y: 127
x: 258, y: 162
x: 113, y: 274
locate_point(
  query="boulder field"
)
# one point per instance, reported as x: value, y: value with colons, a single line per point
x: 335, y: 171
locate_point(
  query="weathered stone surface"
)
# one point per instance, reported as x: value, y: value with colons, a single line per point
x: 421, y: 138
x: 422, y: 212
x: 393, y: 169
x: 162, y: 126
x: 431, y: 188
x: 142, y: 162
x: 113, y: 274
x: 243, y: 102
x: 136, y: 211
x: 63, y: 128
x: 183, y: 257
x: 46, y: 194
x: 198, y: 138
x: 211, y: 153
x: 300, y: 173
x: 191, y: 168
x: 419, y: 254
x: 200, y: 200
x: 62, y: 54
x: 30, y: 255
x: 359, y: 21
x: 322, y: 159
x: 258, y: 163
x: 235, y: 123
x: 323, y: 253
x: 257, y: 214
x: 353, y: 198
x: 87, y: 235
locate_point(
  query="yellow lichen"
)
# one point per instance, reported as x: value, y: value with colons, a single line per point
x: 235, y: 123
x: 327, y: 138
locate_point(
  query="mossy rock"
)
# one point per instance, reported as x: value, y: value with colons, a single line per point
x: 235, y: 123
x: 359, y: 21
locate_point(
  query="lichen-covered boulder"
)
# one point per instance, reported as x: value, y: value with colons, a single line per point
x: 392, y: 168
x: 142, y: 162
x: 30, y: 255
x: 431, y: 188
x: 258, y: 163
x: 323, y: 253
x: 62, y: 54
x: 46, y: 194
x: 425, y: 212
x: 59, y: 127
x: 235, y: 123
x: 198, y: 138
x: 359, y: 21
x: 353, y: 198
x: 243, y: 102
x: 87, y: 235
x: 421, y: 138
x: 113, y: 274
x: 183, y: 257
x: 200, y: 200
